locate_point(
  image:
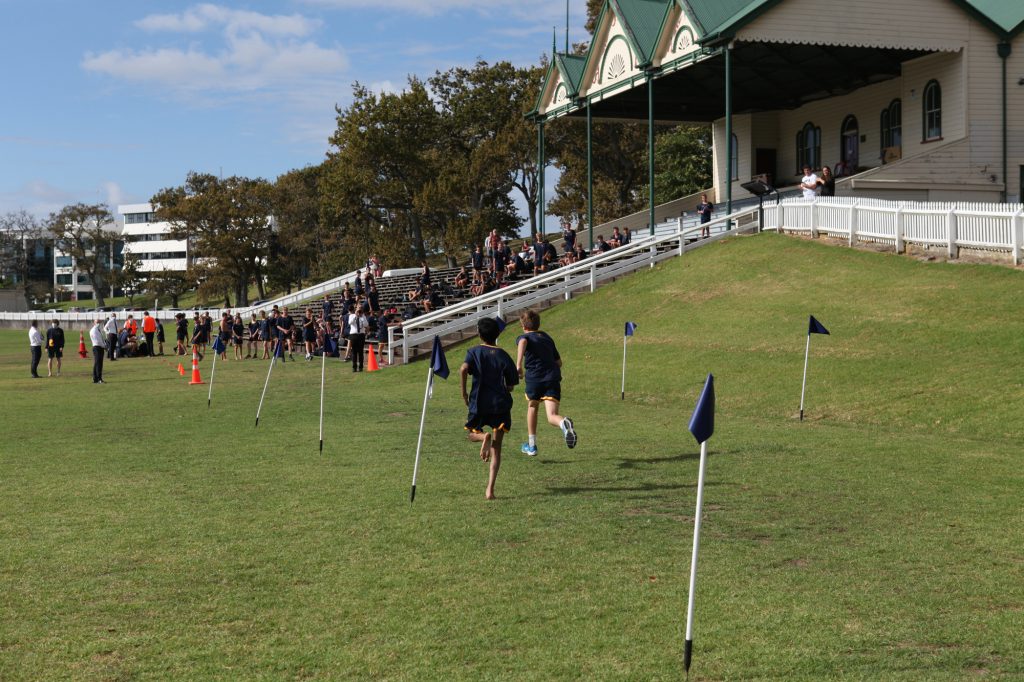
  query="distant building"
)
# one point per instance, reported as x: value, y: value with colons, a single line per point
x: 70, y: 283
x: 151, y: 241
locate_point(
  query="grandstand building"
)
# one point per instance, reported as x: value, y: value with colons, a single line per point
x: 913, y: 100
x: 150, y: 240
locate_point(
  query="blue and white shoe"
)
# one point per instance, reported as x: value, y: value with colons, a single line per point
x: 529, y: 450
x: 569, y: 432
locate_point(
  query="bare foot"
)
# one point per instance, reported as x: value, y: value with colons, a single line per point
x: 485, y: 448
x: 490, y: 496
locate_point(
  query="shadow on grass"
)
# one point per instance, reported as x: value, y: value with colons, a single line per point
x: 685, y: 457
x: 639, y: 488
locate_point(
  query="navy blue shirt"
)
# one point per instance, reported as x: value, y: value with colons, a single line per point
x: 478, y: 260
x: 541, y: 358
x: 494, y: 373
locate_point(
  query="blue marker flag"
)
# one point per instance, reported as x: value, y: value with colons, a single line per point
x: 218, y: 345
x: 279, y: 349
x: 815, y: 327
x: 501, y: 323
x: 330, y: 346
x: 702, y: 423
x: 438, y: 362
x: 630, y: 328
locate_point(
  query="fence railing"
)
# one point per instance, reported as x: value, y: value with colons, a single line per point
x: 670, y: 240
x: 986, y: 227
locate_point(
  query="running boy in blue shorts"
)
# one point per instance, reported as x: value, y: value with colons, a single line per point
x: 543, y: 373
x: 490, y: 401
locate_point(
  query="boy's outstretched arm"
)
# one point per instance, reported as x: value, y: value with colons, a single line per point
x: 520, y: 352
x: 463, y: 373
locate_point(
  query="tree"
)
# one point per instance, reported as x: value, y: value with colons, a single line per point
x: 170, y: 284
x: 129, y: 277
x: 228, y: 224
x: 83, y: 232
x: 18, y: 232
x: 682, y: 162
x: 301, y: 244
x: 383, y: 155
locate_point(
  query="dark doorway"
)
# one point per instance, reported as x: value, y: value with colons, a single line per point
x: 764, y: 164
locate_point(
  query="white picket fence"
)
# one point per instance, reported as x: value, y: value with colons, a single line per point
x: 670, y: 239
x: 952, y: 226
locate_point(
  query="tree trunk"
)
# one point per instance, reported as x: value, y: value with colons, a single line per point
x: 417, y: 236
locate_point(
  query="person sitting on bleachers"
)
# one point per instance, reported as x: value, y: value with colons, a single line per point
x: 627, y: 237
x: 462, y: 279
x: 615, y: 241
x: 580, y: 253
x: 601, y: 246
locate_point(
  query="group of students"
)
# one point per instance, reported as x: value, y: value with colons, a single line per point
x: 278, y: 333
x: 489, y: 400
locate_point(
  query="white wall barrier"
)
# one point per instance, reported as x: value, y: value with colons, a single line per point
x: 952, y: 226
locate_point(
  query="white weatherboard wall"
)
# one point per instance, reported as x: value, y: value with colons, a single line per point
x: 151, y: 242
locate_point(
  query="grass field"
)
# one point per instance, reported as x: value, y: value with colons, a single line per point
x: 144, y: 537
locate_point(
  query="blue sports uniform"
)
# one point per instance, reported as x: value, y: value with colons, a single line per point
x: 490, y: 403
x: 543, y: 376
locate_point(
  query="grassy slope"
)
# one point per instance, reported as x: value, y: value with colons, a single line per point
x: 144, y: 537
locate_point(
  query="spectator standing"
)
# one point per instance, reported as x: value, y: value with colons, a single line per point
x: 284, y: 328
x: 477, y: 261
x: 704, y: 209
x: 492, y: 244
x: 181, y: 332
x: 827, y: 182
x: 35, y: 342
x: 326, y: 309
x: 160, y: 336
x: 238, y: 335
x: 111, y: 330
x: 254, y: 335
x: 357, y: 326
x: 149, y: 331
x: 539, y: 250
x: 373, y: 298
x: 54, y: 347
x: 358, y: 288
x: 568, y: 238
x: 309, y: 333
x: 809, y: 184
x: 99, y: 343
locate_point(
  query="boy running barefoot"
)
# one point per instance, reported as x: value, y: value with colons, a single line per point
x: 490, y: 401
x: 543, y: 380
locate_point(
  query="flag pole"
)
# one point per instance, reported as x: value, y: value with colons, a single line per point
x: 323, y: 366
x: 419, y: 440
x: 273, y: 361
x: 803, y: 388
x: 624, y: 339
x: 688, y: 647
x: 213, y: 371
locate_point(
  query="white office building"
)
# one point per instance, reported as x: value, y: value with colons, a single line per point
x: 151, y: 240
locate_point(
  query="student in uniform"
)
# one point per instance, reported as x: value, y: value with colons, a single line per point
x: 254, y: 335
x: 540, y: 364
x: 181, y: 332
x: 284, y: 330
x: 490, y: 400
x: 160, y: 336
x: 238, y: 335
x: 309, y: 334
x: 54, y: 347
x: 477, y: 260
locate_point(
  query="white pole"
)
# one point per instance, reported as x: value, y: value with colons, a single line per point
x: 323, y: 365
x: 624, y: 339
x: 273, y: 361
x: 693, y: 559
x: 803, y: 388
x: 419, y: 440
x: 213, y: 370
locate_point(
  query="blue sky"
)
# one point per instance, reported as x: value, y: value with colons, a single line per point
x: 111, y: 101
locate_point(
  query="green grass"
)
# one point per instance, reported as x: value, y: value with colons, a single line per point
x: 144, y: 537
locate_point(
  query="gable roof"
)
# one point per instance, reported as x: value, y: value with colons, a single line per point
x: 642, y: 21
x: 721, y: 18
x: 571, y: 67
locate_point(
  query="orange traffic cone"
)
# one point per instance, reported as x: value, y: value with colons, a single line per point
x: 181, y: 369
x: 81, y: 345
x: 196, y: 379
x: 371, y: 362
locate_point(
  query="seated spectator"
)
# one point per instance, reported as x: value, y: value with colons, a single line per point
x: 410, y: 311
x: 580, y: 253
x: 627, y: 237
x: 615, y: 241
x: 601, y: 246
x: 462, y: 279
x: 415, y: 294
x: 550, y: 255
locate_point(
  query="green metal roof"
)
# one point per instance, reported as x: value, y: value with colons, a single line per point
x: 572, y: 67
x: 1007, y: 15
x: 642, y: 21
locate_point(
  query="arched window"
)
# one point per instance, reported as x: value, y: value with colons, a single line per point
x: 808, y: 147
x: 734, y: 157
x: 849, y: 143
x: 932, y: 111
x: 891, y: 125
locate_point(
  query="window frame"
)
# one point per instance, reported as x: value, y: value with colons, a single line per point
x: 802, y: 148
x: 935, y: 111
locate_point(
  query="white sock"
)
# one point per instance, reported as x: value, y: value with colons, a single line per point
x: 533, y: 441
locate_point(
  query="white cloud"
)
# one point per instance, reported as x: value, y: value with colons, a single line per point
x: 115, y: 195
x: 38, y: 197
x: 258, y: 52
x: 205, y: 17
